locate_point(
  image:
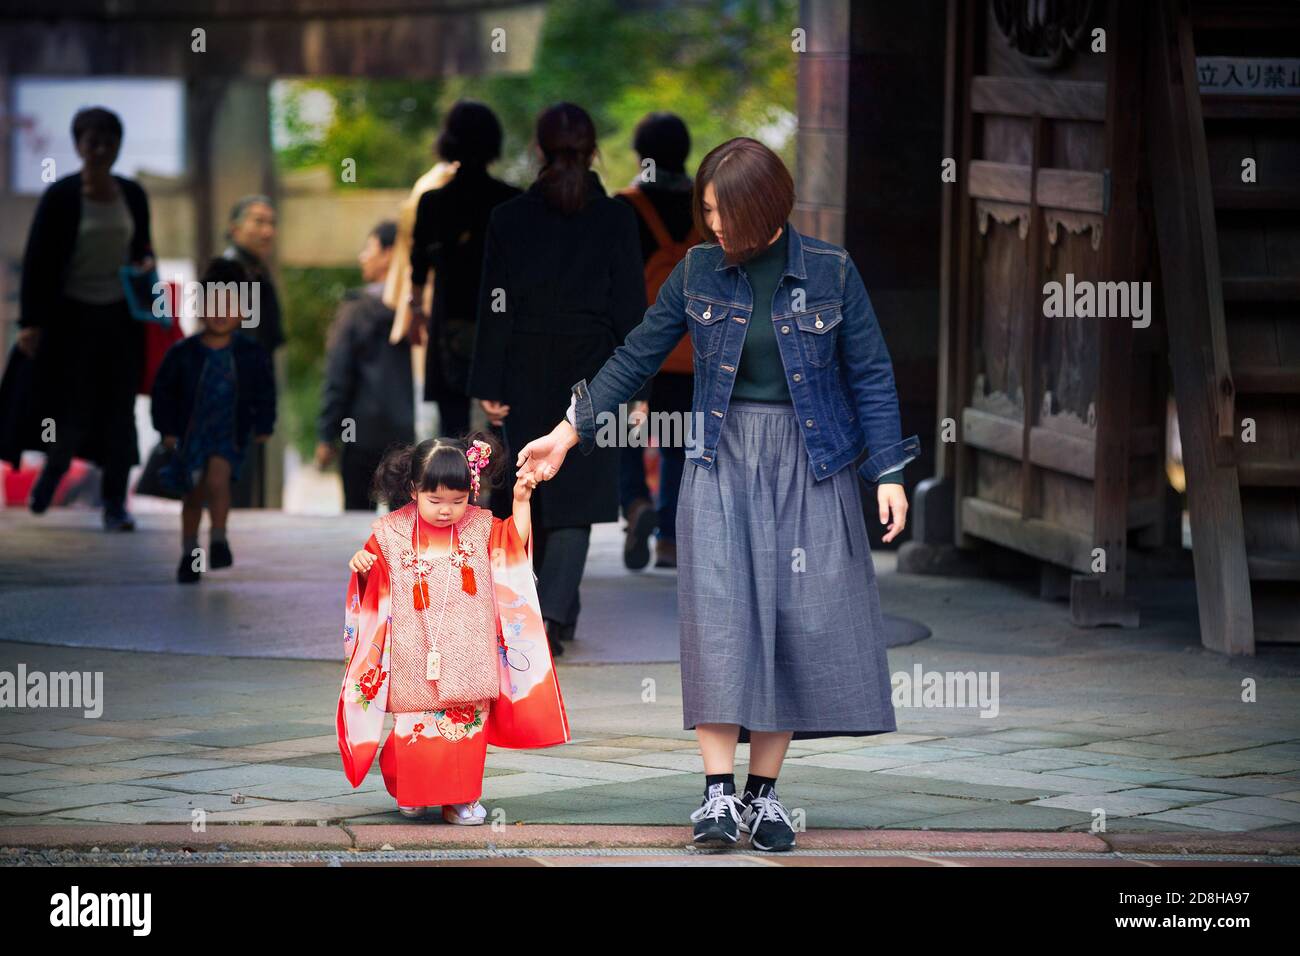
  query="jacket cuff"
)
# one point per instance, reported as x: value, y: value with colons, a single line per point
x: 585, y: 417
x: 889, y: 459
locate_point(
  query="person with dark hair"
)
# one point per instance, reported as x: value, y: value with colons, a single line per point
x: 443, y: 631
x: 661, y: 196
x: 212, y: 392
x: 562, y: 285
x: 85, y: 348
x: 450, y: 223
x: 781, y: 632
x: 251, y: 232
x: 368, y: 398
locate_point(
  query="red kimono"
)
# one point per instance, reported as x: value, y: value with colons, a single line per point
x: 495, y: 681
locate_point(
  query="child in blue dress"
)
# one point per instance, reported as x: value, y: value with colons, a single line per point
x: 213, y: 391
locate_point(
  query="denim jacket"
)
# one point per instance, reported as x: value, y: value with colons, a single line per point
x: 838, y: 369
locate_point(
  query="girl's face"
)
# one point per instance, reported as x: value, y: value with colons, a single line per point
x: 712, y: 218
x: 442, y: 508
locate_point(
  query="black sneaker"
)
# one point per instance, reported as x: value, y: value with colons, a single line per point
x: 219, y: 555
x: 553, y: 629
x: 642, y: 519
x: 766, y: 821
x: 185, y: 573
x: 717, y: 821
x: 117, y: 518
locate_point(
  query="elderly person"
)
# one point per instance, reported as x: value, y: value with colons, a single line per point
x: 251, y: 233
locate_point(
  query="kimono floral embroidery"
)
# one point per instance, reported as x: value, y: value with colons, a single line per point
x: 369, y: 684
x: 453, y: 723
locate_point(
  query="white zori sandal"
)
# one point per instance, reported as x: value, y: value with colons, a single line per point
x: 413, y: 813
x: 465, y: 814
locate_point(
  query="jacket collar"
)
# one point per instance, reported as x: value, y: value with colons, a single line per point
x: 794, y: 265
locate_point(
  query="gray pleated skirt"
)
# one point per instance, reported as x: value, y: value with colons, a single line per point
x: 776, y: 591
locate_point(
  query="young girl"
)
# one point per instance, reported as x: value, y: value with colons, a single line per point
x: 444, y: 630
x: 212, y: 390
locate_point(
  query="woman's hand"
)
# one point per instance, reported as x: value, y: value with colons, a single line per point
x: 262, y: 439
x: 28, y: 341
x: 893, y: 501
x: 169, y: 441
x: 361, y: 561
x: 324, y: 454
x: 637, y: 413
x: 496, y: 411
x: 544, y: 456
x: 417, y: 332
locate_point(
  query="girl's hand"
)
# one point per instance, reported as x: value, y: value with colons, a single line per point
x: 525, y: 484
x: 361, y: 561
x: 261, y: 439
x: 892, y: 500
x: 169, y: 441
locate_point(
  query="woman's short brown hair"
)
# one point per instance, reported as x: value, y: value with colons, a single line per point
x: 755, y: 195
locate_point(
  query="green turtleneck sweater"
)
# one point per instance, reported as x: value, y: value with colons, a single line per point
x: 760, y: 376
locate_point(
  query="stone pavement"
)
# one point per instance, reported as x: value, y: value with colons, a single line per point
x: 220, y: 698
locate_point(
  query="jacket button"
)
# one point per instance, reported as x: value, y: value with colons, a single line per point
x: 798, y: 377
x: 729, y: 368
x: 718, y: 413
x: 707, y: 458
x: 819, y: 323
x: 823, y: 467
x: 785, y: 329
x: 808, y: 422
x: 708, y: 314
x: 739, y: 319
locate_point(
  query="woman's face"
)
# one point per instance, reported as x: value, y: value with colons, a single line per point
x: 98, y: 148
x: 443, y: 507
x: 712, y: 218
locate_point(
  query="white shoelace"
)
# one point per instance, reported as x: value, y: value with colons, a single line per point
x: 715, y: 807
x: 769, y: 808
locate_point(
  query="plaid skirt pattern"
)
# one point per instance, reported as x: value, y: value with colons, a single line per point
x: 779, y: 612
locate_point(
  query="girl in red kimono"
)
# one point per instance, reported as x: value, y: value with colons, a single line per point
x: 443, y: 630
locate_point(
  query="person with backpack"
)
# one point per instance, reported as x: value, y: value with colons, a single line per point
x: 661, y: 197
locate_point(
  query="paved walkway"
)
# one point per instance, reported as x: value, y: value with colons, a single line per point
x: 219, y: 705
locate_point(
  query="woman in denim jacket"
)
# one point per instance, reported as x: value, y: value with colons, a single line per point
x: 781, y: 630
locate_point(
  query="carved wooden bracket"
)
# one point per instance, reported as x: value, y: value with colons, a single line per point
x: 1003, y: 212
x: 1075, y: 223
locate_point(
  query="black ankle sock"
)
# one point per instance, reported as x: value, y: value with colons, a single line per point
x: 754, y: 785
x: 728, y: 781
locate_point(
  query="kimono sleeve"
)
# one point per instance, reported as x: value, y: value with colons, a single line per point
x: 363, y: 698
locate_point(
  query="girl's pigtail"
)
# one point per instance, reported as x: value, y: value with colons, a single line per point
x: 392, y: 481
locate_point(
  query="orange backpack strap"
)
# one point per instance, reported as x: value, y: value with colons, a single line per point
x: 651, y: 215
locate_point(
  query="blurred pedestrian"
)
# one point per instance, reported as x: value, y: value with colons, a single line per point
x: 87, y: 348
x: 661, y: 195
x: 450, y: 227
x: 214, y: 390
x: 368, y: 400
x: 562, y: 285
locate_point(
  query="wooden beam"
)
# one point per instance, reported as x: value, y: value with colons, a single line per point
x: 1053, y: 99
x: 1073, y: 189
x: 1261, y: 289
x: 1185, y: 228
x: 1048, y: 448
x: 1266, y: 380
x: 1033, y: 536
x: 1269, y: 474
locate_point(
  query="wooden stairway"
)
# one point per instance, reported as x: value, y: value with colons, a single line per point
x: 1223, y: 90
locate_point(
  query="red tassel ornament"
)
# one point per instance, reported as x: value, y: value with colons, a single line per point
x: 467, y: 579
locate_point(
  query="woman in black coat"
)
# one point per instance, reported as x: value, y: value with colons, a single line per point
x: 562, y: 285
x: 88, y: 350
x: 450, y: 225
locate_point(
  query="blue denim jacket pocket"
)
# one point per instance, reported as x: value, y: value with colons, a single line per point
x: 705, y: 325
x: 818, y: 333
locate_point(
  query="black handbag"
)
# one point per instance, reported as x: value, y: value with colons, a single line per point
x: 152, y: 481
